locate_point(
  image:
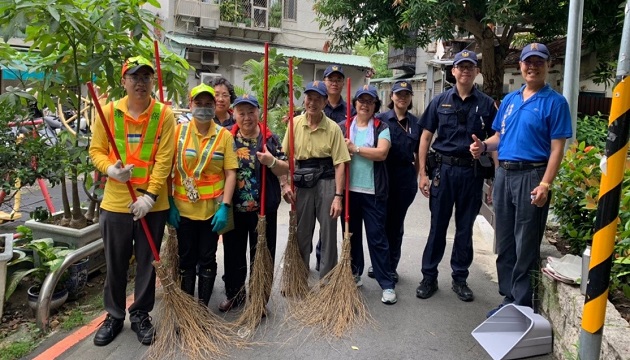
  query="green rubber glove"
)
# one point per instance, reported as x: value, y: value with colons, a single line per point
x: 220, y: 219
x: 173, y: 213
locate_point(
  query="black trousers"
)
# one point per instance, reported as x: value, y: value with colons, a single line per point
x: 235, y: 248
x: 123, y: 237
x: 197, y: 244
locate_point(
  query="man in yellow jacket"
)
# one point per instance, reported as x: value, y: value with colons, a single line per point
x: 143, y: 130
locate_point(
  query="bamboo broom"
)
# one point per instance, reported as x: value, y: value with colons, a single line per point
x: 261, y: 277
x: 181, y: 316
x: 294, y: 277
x: 335, y: 305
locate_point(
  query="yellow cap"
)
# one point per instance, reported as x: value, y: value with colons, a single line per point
x: 202, y: 88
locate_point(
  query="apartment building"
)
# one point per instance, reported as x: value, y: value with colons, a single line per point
x: 217, y: 37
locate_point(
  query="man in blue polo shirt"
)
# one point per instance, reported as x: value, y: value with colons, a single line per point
x: 532, y: 126
x: 456, y: 114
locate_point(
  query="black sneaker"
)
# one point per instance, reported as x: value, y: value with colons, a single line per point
x: 108, y: 331
x: 426, y: 289
x: 463, y: 291
x: 141, y: 325
x: 371, y: 272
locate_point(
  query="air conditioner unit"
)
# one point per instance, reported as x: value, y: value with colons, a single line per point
x: 207, y: 78
x: 209, y: 58
x: 208, y: 23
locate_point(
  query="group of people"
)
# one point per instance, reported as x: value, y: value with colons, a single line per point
x: 203, y: 175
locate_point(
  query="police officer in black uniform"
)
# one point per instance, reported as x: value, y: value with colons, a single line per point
x: 401, y: 167
x: 457, y: 178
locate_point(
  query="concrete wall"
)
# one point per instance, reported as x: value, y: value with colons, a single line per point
x: 562, y: 305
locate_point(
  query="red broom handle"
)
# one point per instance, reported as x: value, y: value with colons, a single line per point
x: 112, y: 143
x: 159, y: 70
x: 291, y: 135
x: 265, y: 94
x: 348, y: 121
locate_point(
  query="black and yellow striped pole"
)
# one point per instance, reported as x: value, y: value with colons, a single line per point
x: 594, y: 312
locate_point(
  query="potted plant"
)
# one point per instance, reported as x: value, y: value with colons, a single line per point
x: 74, y: 42
x: 47, y: 257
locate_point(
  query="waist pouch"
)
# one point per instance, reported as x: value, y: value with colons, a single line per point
x: 307, y: 177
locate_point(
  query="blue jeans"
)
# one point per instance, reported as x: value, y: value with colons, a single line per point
x: 369, y: 210
x: 519, y: 230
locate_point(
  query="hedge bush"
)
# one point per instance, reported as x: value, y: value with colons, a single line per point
x: 576, y: 191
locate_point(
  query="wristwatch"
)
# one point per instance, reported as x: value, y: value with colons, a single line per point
x: 227, y: 205
x: 358, y: 149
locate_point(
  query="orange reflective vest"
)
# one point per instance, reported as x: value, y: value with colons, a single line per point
x: 143, y: 157
x: 208, y: 185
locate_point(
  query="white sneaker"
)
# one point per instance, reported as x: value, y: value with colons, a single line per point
x: 389, y: 297
x: 357, y: 280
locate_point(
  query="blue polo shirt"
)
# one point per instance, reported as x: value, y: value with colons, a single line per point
x: 338, y: 113
x: 527, y: 127
x: 456, y: 120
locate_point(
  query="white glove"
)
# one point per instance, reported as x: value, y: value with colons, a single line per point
x: 118, y: 172
x: 141, y: 207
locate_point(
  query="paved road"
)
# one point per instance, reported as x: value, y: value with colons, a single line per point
x: 437, y: 328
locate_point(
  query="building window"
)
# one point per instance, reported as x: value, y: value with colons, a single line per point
x: 290, y: 10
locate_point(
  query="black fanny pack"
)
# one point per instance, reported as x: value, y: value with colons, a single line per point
x: 307, y: 177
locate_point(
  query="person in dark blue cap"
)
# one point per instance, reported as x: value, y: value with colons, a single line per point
x: 401, y: 166
x: 369, y: 143
x: 252, y: 161
x: 320, y: 154
x: 532, y: 126
x: 457, y: 179
x: 336, y: 107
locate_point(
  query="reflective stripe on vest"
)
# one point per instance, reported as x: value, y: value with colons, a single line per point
x: 143, y: 157
x: 209, y: 186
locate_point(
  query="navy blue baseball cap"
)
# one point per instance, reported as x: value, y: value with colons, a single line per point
x: 535, y: 49
x: 402, y: 85
x: 334, y: 69
x: 465, y: 55
x: 318, y: 87
x: 246, y: 99
x: 367, y: 89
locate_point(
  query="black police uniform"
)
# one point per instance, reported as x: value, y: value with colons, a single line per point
x: 403, y: 180
x: 457, y: 179
x: 338, y: 113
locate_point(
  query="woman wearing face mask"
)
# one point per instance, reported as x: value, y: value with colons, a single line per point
x: 204, y: 176
x: 224, y: 95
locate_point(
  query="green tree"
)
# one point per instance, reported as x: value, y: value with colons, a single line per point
x: 73, y: 42
x: 377, y: 55
x: 377, y: 21
x: 278, y: 86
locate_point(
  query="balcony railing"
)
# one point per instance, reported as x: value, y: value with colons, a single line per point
x: 254, y: 14
x: 208, y: 12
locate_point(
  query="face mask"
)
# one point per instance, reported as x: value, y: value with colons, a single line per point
x: 203, y: 114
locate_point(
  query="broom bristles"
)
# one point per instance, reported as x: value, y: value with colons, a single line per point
x: 186, y: 325
x: 294, y: 277
x: 260, y: 283
x: 334, y: 305
x: 170, y: 258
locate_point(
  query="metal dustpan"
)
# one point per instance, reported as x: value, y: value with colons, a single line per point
x: 514, y: 332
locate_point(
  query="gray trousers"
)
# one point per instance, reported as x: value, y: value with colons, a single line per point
x: 123, y: 237
x: 314, y: 204
x: 519, y: 230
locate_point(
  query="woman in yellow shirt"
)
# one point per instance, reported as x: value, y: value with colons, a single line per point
x: 204, y: 176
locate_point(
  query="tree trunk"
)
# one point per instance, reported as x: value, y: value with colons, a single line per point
x: 79, y: 221
x: 67, y: 215
x: 492, y: 65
